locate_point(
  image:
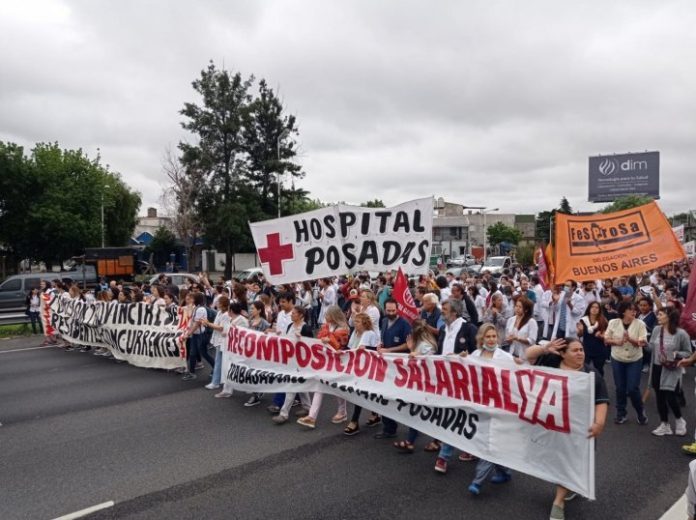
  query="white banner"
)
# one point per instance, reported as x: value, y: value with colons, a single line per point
x: 690, y: 249
x: 531, y: 419
x: 679, y: 231
x: 144, y: 335
x: 342, y: 239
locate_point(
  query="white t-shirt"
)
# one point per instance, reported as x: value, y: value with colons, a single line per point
x: 218, y: 338
x: 282, y: 321
x: 328, y: 299
x: 528, y: 331
x: 451, y: 332
x: 367, y: 339
x: 199, y: 314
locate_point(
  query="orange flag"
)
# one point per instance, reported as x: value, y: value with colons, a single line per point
x: 614, y: 244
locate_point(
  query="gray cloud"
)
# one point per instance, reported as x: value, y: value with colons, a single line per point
x: 484, y: 103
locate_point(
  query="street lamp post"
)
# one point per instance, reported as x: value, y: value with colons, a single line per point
x: 106, y: 186
x: 281, y: 136
x: 482, y: 210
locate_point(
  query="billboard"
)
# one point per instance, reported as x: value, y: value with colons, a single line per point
x: 614, y: 176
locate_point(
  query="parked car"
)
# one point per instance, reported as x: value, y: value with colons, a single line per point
x: 178, y: 279
x: 14, y: 290
x: 455, y: 271
x: 496, y: 264
x: 243, y: 276
x: 461, y: 261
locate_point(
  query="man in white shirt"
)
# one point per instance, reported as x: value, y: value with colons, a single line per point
x: 565, y: 309
x: 286, y: 302
x: 589, y: 292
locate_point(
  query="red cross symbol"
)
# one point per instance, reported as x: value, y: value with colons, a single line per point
x: 274, y: 253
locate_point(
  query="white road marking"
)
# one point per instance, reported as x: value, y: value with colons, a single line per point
x: 86, y: 511
x: 677, y: 511
x: 23, y: 349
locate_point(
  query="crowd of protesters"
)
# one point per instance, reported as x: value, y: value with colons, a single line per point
x: 629, y: 325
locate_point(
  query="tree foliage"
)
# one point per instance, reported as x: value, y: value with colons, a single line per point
x: 564, y: 207
x: 375, y: 203
x: 525, y: 255
x: 244, y: 150
x: 627, y: 202
x: 500, y: 232
x: 163, y: 243
x: 51, y: 199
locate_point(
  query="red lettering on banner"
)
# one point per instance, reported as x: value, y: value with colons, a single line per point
x: 460, y: 380
x: 287, y: 350
x: 551, y: 409
x: 508, y: 403
x: 362, y: 362
x: 378, y: 369
x: 427, y: 384
x: 476, y: 392
x: 401, y: 373
x: 490, y: 391
x: 318, y: 359
x: 444, y: 383
x: 414, y: 375
x: 302, y: 354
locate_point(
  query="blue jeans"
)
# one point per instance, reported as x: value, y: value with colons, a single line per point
x: 446, y: 451
x: 217, y: 371
x: 627, y: 382
x: 198, y: 348
x: 485, y: 470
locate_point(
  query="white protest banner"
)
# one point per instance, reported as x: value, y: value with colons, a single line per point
x: 143, y: 335
x: 531, y: 419
x: 343, y: 239
x: 690, y: 249
x: 679, y: 231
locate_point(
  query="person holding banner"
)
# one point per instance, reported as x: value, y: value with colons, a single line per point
x: 219, y: 328
x: 297, y: 328
x: 333, y: 333
x: 571, y: 356
x: 237, y: 319
x: 363, y: 337
x: 627, y: 336
x: 489, y: 349
x: 196, y: 335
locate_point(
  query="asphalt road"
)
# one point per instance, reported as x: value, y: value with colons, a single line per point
x: 80, y: 430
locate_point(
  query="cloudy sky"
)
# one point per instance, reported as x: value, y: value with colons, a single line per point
x: 482, y: 102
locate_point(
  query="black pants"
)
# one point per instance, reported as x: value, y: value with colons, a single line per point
x: 198, y: 348
x: 598, y: 363
x: 666, y: 399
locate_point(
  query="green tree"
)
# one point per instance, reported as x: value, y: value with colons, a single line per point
x: 564, y: 207
x: 218, y: 157
x: 525, y: 255
x: 500, y: 232
x: 542, y: 232
x: 163, y: 243
x: 375, y: 203
x: 60, y: 213
x: 627, y: 202
x: 268, y: 140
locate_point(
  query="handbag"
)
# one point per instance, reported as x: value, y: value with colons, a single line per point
x: 666, y: 363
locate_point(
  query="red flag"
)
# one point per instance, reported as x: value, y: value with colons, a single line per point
x: 542, y: 268
x: 550, y: 269
x: 688, y: 316
x: 405, y: 305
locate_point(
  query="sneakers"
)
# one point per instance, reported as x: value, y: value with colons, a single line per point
x: 211, y: 386
x: 475, y: 489
x: 570, y: 496
x: 680, y: 427
x: 643, y: 419
x: 307, y: 421
x: 557, y: 513
x: 189, y: 377
x: 223, y: 395
x: 662, y: 430
x: 620, y: 420
x: 273, y: 409
x: 689, y: 449
x: 253, y: 400
x: 199, y: 366
x: 441, y: 465
x: 466, y: 457
x: 279, y: 419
